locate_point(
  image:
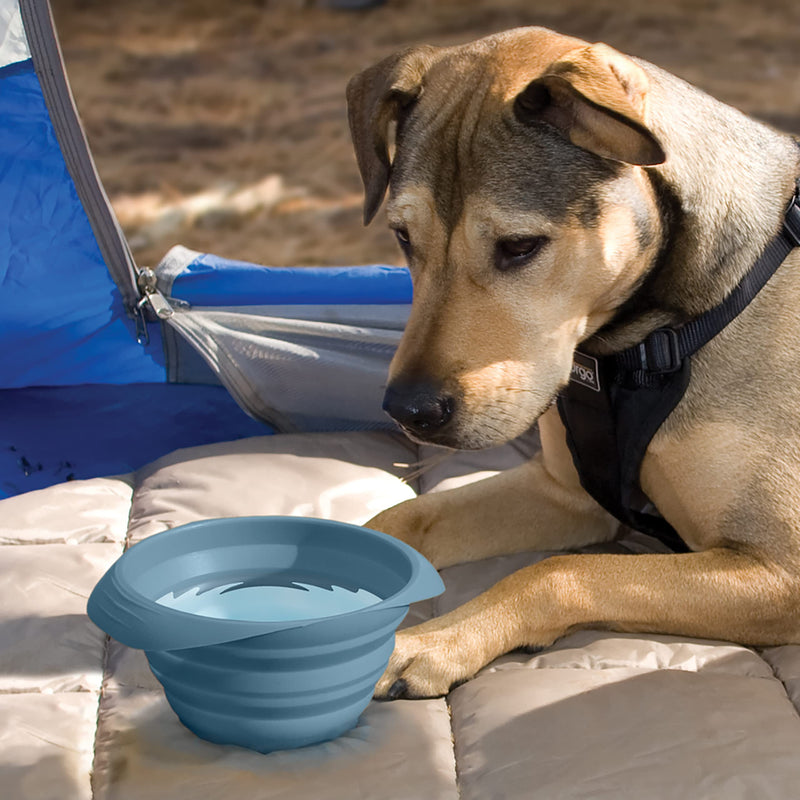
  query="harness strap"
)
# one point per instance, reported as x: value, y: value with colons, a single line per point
x: 614, y: 405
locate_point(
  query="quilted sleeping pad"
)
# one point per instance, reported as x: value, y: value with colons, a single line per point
x: 599, y: 715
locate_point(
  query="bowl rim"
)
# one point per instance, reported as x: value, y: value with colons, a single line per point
x: 124, y: 612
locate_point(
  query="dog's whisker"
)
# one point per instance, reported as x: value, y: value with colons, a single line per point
x: 419, y: 468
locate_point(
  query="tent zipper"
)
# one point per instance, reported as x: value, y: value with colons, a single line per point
x: 151, y: 298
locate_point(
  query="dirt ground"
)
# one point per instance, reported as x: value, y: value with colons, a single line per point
x: 222, y: 126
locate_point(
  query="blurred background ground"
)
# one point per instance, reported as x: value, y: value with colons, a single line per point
x: 222, y: 126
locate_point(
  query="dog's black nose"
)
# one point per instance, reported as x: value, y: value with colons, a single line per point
x: 420, y: 408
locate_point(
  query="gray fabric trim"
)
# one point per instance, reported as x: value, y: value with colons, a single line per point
x: 173, y: 264
x: 389, y: 317
x: 184, y: 362
x: 49, y: 65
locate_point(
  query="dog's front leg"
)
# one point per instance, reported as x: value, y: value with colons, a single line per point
x: 539, y: 505
x: 716, y: 594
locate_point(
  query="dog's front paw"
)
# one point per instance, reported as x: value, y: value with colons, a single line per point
x: 406, y: 521
x: 427, y: 664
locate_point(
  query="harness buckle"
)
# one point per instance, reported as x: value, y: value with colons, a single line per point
x: 791, y: 219
x: 660, y: 352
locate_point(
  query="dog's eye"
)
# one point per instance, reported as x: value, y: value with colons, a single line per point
x: 403, y: 239
x: 511, y: 253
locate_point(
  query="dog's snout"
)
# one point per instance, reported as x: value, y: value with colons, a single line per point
x: 422, y: 409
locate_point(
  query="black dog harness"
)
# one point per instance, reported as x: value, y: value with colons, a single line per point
x: 613, y: 405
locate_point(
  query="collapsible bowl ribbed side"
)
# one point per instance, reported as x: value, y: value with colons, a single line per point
x: 272, y: 692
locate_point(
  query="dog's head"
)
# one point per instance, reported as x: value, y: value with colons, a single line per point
x: 516, y: 190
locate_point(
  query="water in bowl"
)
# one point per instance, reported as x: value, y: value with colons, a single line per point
x: 260, y: 600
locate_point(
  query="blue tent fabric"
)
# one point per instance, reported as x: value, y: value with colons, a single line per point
x: 62, y: 320
x: 210, y: 280
x: 53, y: 434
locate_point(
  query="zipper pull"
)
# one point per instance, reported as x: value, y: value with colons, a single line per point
x: 148, y: 286
x: 152, y: 297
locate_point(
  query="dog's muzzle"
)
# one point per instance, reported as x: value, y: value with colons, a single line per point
x: 421, y: 409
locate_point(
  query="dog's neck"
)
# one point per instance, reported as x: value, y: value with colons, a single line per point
x: 723, y: 191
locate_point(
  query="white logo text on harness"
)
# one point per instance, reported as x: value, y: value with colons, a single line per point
x: 585, y: 371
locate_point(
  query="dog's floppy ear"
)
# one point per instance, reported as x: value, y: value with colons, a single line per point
x: 376, y: 98
x: 597, y: 98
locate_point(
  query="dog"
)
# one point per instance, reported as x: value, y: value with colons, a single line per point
x: 552, y: 195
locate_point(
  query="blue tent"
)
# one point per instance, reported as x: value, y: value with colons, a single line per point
x: 105, y: 366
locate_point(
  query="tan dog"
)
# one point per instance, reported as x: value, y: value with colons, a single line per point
x: 549, y: 193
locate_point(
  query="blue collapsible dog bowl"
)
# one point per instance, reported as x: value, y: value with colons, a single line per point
x: 265, y: 632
